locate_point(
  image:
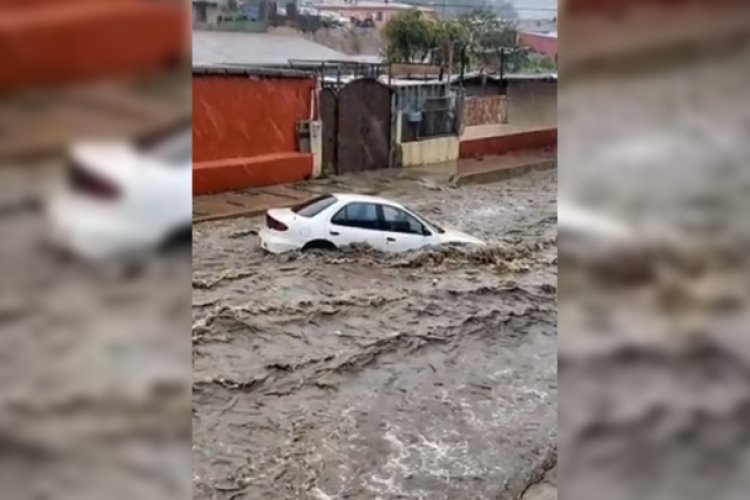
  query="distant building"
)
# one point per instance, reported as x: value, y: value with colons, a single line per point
x: 542, y: 43
x: 218, y: 15
x: 537, y: 25
x: 206, y: 12
x: 373, y: 13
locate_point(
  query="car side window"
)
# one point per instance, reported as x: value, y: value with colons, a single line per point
x: 360, y: 215
x: 398, y: 221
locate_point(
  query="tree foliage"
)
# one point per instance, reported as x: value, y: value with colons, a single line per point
x: 409, y: 37
x: 479, y: 36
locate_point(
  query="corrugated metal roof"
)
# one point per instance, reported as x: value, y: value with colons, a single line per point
x: 215, y: 48
x: 508, y: 76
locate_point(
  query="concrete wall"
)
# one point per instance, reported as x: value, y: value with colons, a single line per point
x: 244, y: 131
x: 316, y: 147
x: 426, y: 151
x: 212, y: 14
x: 532, y: 103
x: 429, y: 151
x: 511, y: 142
x: 485, y: 110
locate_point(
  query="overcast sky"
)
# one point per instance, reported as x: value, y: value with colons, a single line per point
x: 526, y: 8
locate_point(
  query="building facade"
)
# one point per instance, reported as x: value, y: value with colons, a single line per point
x: 375, y: 14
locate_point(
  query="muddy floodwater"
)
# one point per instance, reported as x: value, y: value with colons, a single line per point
x: 655, y: 371
x: 354, y: 374
x: 94, y: 365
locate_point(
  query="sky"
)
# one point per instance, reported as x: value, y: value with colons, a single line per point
x: 523, y: 5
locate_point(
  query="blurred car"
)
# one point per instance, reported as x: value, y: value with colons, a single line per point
x: 591, y: 226
x: 121, y: 197
x: 338, y: 220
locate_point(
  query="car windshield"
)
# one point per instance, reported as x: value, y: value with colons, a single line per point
x: 432, y: 225
x: 313, y: 207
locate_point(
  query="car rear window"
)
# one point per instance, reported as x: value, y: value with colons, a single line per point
x: 313, y: 207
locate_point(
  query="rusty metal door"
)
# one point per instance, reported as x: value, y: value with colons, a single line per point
x: 329, y: 119
x: 364, y: 126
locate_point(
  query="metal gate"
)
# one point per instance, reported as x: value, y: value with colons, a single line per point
x: 329, y: 119
x: 358, y: 127
x: 364, y: 126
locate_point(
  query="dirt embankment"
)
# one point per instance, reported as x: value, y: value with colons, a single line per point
x: 351, y: 41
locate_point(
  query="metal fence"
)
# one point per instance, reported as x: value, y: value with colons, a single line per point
x: 427, y: 110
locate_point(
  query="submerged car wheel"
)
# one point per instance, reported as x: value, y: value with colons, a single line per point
x: 318, y: 245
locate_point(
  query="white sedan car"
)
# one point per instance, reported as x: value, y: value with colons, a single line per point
x: 338, y: 220
x: 120, y: 198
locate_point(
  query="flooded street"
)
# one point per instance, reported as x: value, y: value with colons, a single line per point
x: 95, y: 370
x: 353, y: 374
x: 655, y: 371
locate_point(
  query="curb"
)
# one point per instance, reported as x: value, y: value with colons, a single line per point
x: 501, y: 174
x: 233, y: 205
x: 253, y: 212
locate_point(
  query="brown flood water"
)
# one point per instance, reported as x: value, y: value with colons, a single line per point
x: 353, y: 374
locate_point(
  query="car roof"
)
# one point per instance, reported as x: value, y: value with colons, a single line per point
x: 364, y: 198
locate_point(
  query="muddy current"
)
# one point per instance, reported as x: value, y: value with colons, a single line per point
x: 94, y: 365
x: 655, y: 361
x: 355, y: 374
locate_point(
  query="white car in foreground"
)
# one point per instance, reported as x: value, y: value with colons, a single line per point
x: 338, y: 220
x: 120, y: 198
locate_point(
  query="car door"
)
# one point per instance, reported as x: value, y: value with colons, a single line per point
x: 356, y: 222
x: 402, y: 230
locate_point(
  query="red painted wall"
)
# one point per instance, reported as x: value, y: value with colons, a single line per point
x: 508, y: 143
x: 44, y: 42
x: 254, y: 171
x: 236, y: 116
x: 244, y: 131
x: 542, y: 44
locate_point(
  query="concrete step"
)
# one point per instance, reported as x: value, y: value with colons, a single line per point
x: 498, y: 168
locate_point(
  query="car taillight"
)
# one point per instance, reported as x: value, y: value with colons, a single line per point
x: 274, y: 224
x: 82, y: 181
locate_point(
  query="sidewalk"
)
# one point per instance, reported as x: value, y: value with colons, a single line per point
x: 254, y: 202
x: 498, y: 168
x: 41, y: 124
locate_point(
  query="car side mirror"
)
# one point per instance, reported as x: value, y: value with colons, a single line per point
x: 426, y: 232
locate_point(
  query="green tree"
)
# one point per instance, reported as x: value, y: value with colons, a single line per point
x: 489, y: 35
x: 482, y: 36
x: 449, y: 38
x: 409, y: 37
